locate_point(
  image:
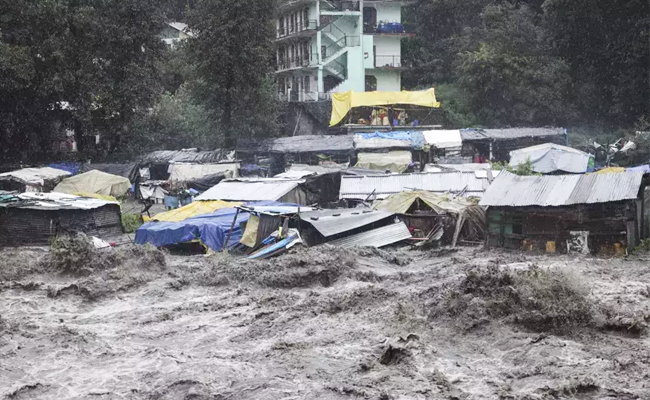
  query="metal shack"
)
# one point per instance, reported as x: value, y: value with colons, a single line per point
x: 599, y: 212
x: 34, y: 218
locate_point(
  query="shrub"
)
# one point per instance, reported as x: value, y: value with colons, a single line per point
x: 131, y: 222
x: 72, y: 254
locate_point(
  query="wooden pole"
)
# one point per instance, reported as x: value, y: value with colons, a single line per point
x: 232, y: 228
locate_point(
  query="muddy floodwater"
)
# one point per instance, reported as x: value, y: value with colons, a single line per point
x: 321, y: 323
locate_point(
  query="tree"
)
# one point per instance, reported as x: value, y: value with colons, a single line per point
x: 511, y: 77
x: 607, y: 45
x: 84, y: 65
x: 233, y: 54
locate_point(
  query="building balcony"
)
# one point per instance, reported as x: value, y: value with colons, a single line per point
x: 341, y: 6
x: 388, y: 62
x: 297, y: 63
x: 386, y: 28
x: 305, y: 28
x: 303, y: 96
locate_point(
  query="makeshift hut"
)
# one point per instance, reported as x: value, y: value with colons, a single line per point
x: 426, y: 212
x: 258, y: 189
x: 549, y: 158
x: 193, y: 210
x: 158, y: 162
x: 128, y: 170
x: 222, y: 229
x: 378, y: 187
x: 212, y: 230
x: 34, y: 218
x: 95, y: 182
x: 496, y: 144
x: 593, y: 212
x: 311, y: 149
x: 393, y: 161
x: 345, y: 102
x: 32, y: 179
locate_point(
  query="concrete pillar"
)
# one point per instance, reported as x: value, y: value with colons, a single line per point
x: 319, y: 43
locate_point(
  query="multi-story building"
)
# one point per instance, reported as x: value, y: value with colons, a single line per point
x: 329, y: 46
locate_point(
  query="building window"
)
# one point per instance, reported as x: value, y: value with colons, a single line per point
x: 281, y: 28
x: 306, y: 18
x: 371, y: 83
x: 307, y: 84
x: 307, y: 47
x: 369, y: 19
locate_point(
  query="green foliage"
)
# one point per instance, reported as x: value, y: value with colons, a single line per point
x: 534, y: 63
x: 233, y: 54
x: 131, y: 222
x: 458, y: 113
x: 83, y: 65
x: 525, y: 169
x: 71, y: 254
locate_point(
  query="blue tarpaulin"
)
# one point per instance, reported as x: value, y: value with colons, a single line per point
x: 416, y: 138
x: 71, y: 167
x: 210, y: 229
x: 641, y: 168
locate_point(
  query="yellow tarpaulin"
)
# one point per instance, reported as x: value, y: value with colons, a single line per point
x: 194, y: 210
x: 249, y: 238
x: 395, y: 161
x: 611, y: 170
x: 343, y: 102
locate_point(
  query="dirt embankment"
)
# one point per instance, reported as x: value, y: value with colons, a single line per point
x: 135, y: 323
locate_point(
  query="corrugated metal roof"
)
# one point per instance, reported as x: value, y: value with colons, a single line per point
x: 333, y: 222
x: 469, y: 135
x: 380, y: 143
x: 379, y: 237
x: 510, y: 190
x: 54, y: 201
x: 299, y: 144
x: 188, y: 156
x: 361, y: 187
x: 250, y: 190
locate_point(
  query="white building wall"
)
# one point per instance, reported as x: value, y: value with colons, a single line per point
x: 389, y: 12
x: 388, y: 45
x: 387, y: 80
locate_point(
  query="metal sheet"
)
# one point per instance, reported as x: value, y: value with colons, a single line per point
x: 188, y: 156
x: 333, y: 222
x: 382, y: 186
x: 510, y: 190
x: 299, y: 144
x: 250, y: 190
x: 473, y: 135
x: 379, y: 237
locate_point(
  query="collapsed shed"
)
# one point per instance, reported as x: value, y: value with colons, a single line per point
x: 34, y: 218
x: 593, y: 211
x: 351, y: 227
x: 454, y: 217
x: 32, y: 179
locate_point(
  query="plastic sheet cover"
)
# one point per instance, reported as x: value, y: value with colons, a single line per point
x: 343, y: 102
